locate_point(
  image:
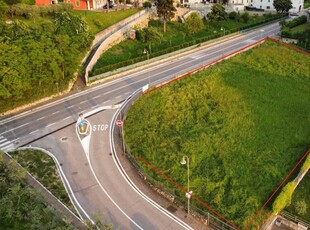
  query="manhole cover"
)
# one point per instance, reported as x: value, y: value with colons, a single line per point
x: 74, y: 173
x: 171, y: 209
x: 64, y: 139
x: 110, y: 154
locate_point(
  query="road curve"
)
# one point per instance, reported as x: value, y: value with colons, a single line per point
x: 32, y: 125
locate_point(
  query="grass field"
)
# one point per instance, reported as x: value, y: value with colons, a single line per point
x: 175, y: 35
x: 43, y: 168
x: 244, y: 123
x: 98, y: 21
x: 300, y: 28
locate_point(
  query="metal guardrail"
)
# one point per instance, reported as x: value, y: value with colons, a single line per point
x: 295, y: 219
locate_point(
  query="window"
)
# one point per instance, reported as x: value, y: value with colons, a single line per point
x: 260, y: 7
x: 77, y: 3
x: 268, y: 7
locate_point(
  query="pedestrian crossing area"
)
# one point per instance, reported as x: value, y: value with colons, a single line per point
x: 5, y: 144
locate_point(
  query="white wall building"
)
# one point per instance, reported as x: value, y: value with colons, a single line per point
x: 267, y: 5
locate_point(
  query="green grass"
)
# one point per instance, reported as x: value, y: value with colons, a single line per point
x: 301, y: 194
x: 300, y: 28
x: 243, y: 123
x: 98, y: 21
x: 43, y: 168
x: 174, y: 36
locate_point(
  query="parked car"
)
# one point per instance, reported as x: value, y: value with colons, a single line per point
x: 111, y: 5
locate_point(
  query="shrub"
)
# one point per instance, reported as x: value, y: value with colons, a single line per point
x: 284, y: 198
x: 233, y: 15
x: 301, y: 207
x: 297, y: 21
x: 147, y: 4
x: 245, y: 17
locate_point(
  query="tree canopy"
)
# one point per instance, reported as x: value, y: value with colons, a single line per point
x: 193, y: 23
x: 165, y: 11
x: 282, y: 6
x: 217, y: 13
x: 36, y: 57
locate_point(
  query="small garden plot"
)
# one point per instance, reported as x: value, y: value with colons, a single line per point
x: 244, y: 123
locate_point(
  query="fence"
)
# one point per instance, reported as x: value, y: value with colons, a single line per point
x: 206, y: 217
x: 295, y: 219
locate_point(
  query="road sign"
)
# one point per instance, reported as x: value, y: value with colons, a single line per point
x: 119, y: 123
x: 189, y: 194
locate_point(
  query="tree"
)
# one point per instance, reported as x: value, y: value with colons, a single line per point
x: 193, y: 23
x: 217, y: 13
x: 282, y: 6
x: 149, y: 36
x: 165, y: 11
x: 245, y: 17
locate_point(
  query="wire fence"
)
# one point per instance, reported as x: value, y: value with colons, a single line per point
x: 208, y: 218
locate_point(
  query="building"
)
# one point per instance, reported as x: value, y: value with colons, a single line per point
x: 267, y: 5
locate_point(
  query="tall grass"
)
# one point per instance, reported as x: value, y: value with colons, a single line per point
x: 244, y: 123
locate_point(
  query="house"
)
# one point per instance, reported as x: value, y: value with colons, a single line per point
x: 267, y: 5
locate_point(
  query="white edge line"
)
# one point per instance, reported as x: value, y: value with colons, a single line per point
x: 65, y: 183
x: 122, y: 172
x: 107, y: 194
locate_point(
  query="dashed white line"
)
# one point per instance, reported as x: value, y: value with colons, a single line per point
x: 66, y: 118
x: 70, y: 106
x: 51, y: 124
x: 118, y: 96
x: 82, y: 102
x: 40, y: 118
x: 34, y: 131
x: 97, y: 96
x: 55, y: 112
x: 20, y: 126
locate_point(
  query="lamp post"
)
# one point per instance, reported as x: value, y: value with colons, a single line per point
x: 223, y: 28
x: 148, y: 56
x: 185, y: 161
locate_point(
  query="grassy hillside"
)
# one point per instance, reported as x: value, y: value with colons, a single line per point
x: 243, y: 122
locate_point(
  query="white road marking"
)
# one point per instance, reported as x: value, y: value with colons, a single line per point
x: 34, y: 132
x: 97, y: 96
x: 40, y: 118
x: 118, y: 96
x: 51, y: 124
x: 70, y: 106
x: 2, y: 140
x: 66, y: 118
x: 82, y: 102
x: 55, y: 112
x: 5, y: 143
x: 20, y: 126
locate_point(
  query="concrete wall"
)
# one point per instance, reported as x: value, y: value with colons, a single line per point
x: 114, y: 35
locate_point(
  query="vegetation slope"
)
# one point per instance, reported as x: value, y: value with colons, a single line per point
x: 243, y: 123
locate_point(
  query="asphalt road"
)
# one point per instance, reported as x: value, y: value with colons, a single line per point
x: 24, y: 128
x: 32, y: 125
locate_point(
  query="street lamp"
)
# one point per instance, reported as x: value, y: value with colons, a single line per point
x: 223, y: 28
x: 185, y: 161
x: 145, y: 51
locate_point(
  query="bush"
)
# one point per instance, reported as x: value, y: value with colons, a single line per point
x: 284, y: 198
x: 147, y: 4
x: 297, y: 21
x: 245, y: 17
x: 301, y: 207
x: 233, y: 15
